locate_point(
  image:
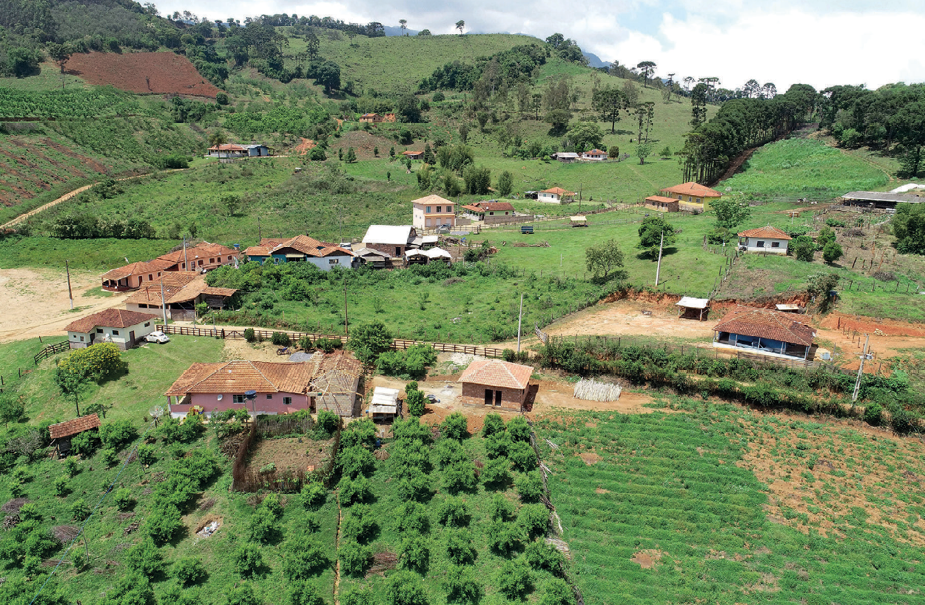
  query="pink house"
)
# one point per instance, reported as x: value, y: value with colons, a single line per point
x: 274, y: 388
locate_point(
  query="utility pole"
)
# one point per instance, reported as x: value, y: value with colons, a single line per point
x: 857, y: 385
x: 346, y: 320
x: 580, y: 187
x: 163, y: 304
x: 658, y: 269
x: 70, y: 293
x: 520, y: 320
x: 259, y: 236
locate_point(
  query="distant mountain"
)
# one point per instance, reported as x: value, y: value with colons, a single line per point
x: 396, y: 31
x: 595, y: 61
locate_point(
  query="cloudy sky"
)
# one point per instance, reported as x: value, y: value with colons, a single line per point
x: 818, y: 42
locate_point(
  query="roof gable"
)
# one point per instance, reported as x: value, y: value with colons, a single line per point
x: 558, y: 191
x: 109, y: 318
x: 497, y: 373
x: 694, y: 189
x: 136, y: 268
x: 765, y: 323
x: 768, y: 232
x: 75, y: 426
x: 433, y: 200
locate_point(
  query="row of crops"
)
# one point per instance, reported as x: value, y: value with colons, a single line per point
x: 96, y: 103
x: 657, y: 510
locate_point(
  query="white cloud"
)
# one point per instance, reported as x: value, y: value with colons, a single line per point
x: 797, y: 41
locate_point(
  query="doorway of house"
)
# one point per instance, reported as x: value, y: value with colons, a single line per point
x: 131, y: 338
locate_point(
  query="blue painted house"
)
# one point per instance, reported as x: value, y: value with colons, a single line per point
x: 765, y: 332
x: 301, y: 248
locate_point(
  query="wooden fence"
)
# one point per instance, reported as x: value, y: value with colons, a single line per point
x: 50, y: 350
x: 398, y: 344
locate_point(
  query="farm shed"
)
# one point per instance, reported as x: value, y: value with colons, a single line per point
x: 879, y: 200
x: 374, y: 258
x: 413, y: 155
x: 391, y: 239
x: 335, y: 383
x: 384, y: 405
x: 62, y: 432
x: 496, y: 383
x: 123, y: 328
x: 578, y: 221
x: 566, y: 156
x: 425, y: 257
x: 660, y: 203
x: 764, y: 331
x: 693, y: 308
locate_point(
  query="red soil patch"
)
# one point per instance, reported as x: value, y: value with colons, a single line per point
x: 648, y: 558
x: 303, y: 147
x: 142, y: 73
x: 835, y: 321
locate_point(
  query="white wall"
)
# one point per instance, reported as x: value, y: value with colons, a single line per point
x: 550, y: 198
x: 751, y: 245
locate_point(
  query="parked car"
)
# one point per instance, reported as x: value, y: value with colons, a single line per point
x: 431, y: 398
x: 158, y: 337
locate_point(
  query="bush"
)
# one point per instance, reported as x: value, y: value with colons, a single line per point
x: 455, y: 426
x: 415, y: 485
x: 459, y: 478
x: 71, y: 466
x: 303, y: 556
x: 519, y: 429
x: 280, y: 339
x: 353, y: 491
x: 221, y: 98
x: 458, y: 545
x: 163, y: 522
x: 493, y: 424
x: 262, y: 526
x: 414, y: 554
x: 449, y: 452
x: 498, y: 445
x: 327, y: 424
x: 241, y: 594
x: 356, y: 461
x: 123, y: 499
x: 368, y: 341
x: 405, y: 588
x: 189, y: 570
x: 416, y: 403
x: 413, y: 518
x: 529, y: 486
x: 354, y: 558
x: 109, y: 457
x: 496, y: 473
x: 248, y: 559
x: 145, y: 558
x: 249, y: 335
x: 362, y: 595
x: 328, y: 345
x: 523, y: 456
x: 359, y: 525
x: 453, y: 512
x: 80, y: 510
x: 873, y: 414
x: 513, y: 580
x: 313, y: 495
x: 117, y: 434
x: 501, y: 509
x: 62, y: 487
x: 540, y: 555
x: 533, y: 519
x: 146, y: 454
x: 556, y: 592
x: 304, y: 593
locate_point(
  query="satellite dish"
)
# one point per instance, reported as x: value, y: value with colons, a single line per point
x: 156, y: 412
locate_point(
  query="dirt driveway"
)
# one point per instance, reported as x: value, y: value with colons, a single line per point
x: 35, y: 302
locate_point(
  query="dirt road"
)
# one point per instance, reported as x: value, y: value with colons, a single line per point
x: 35, y: 302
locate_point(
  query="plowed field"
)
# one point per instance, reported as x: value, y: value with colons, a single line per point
x: 141, y: 73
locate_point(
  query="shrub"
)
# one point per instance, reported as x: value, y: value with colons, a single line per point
x: 117, y: 434
x: 493, y: 424
x: 368, y: 341
x: 280, y: 339
x: 146, y: 454
x: 513, y: 580
x: 449, y: 452
x: 523, y: 456
x: 71, y: 467
x: 415, y: 485
x: 62, y: 486
x: 352, y: 491
x: 123, y: 499
x: 414, y: 554
x: 80, y: 510
x: 327, y: 424
x: 189, y: 570
x: 873, y: 414
x: 313, y: 495
x: 504, y: 538
x: 328, y: 345
x: 501, y: 509
x: 359, y: 432
x: 453, y: 512
x: 529, y: 486
x: 355, y: 461
x: 354, y: 558
x: 455, y: 426
x: 496, y: 473
x: 109, y: 457
x: 459, y: 477
x: 163, y: 522
x: 249, y: 335
x: 556, y: 592
x: 248, y: 559
x: 540, y: 555
x: 241, y: 594
x: 304, y: 593
x: 416, y: 403
x: 533, y: 519
x: 832, y: 252
x: 519, y: 429
x: 359, y: 525
x: 303, y: 556
x: 413, y: 518
x: 145, y: 558
x: 458, y: 545
x: 362, y: 595
x: 405, y: 588
x: 498, y: 445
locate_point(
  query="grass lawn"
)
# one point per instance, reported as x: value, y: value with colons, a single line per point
x: 719, y: 501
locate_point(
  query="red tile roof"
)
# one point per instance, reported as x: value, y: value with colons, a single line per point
x: 300, y: 243
x: 203, y: 250
x: 75, y: 426
x: 174, y: 282
x: 694, y: 189
x: 496, y: 373
x: 228, y: 147
x: 110, y: 318
x: 137, y: 268
x: 558, y: 191
x: 768, y: 232
x: 765, y: 323
x: 240, y: 376
x: 661, y: 198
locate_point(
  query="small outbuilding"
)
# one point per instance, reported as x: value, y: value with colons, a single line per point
x: 62, y: 432
x: 384, y: 405
x: 660, y: 203
x: 556, y: 195
x: 123, y: 328
x: 497, y: 384
x: 693, y: 308
x: 764, y: 239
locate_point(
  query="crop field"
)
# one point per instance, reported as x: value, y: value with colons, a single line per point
x: 141, y: 73
x: 448, y: 516
x: 804, y: 167
x: 712, y: 501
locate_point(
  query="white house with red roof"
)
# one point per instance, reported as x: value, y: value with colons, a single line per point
x: 123, y: 328
x: 556, y: 195
x: 764, y: 239
x: 595, y: 155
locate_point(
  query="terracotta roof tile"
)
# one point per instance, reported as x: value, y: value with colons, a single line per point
x: 75, y: 426
x: 768, y: 232
x: 203, y: 250
x: 496, y: 373
x: 174, y: 282
x: 240, y: 376
x: 228, y: 147
x: 110, y: 318
x: 558, y: 191
x: 140, y: 267
x: 694, y: 189
x: 765, y: 323
x: 433, y: 200
x: 661, y: 198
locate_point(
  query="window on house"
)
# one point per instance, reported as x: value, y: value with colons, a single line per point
x: 287, y: 400
x: 333, y: 261
x: 200, y: 262
x: 115, y: 332
x: 149, y: 277
x: 81, y: 339
x: 775, y: 244
x: 211, y: 260
x: 99, y: 330
x: 237, y: 398
x: 759, y: 244
x: 439, y: 209
x: 147, y: 324
x: 491, y: 214
x: 428, y: 209
x: 229, y: 259
x: 269, y: 395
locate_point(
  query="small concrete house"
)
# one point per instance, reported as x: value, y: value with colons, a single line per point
x: 566, y: 157
x: 595, y: 155
x: 764, y: 239
x: 490, y: 212
x: 413, y: 155
x: 556, y: 195
x: 391, y: 239
x: 433, y: 211
x: 497, y: 384
x: 233, y: 150
x: 660, y: 203
x: 335, y: 383
x: 274, y: 388
x: 301, y: 248
x: 693, y: 197
x: 765, y: 332
x: 118, y: 326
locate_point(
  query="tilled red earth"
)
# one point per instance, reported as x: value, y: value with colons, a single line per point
x: 141, y: 73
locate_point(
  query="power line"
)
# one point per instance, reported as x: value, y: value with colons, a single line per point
x: 93, y: 512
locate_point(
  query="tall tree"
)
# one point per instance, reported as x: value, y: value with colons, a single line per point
x: 752, y: 89
x: 460, y: 25
x: 60, y: 53
x: 403, y: 23
x: 699, y: 105
x: 646, y: 68
x: 669, y: 85
x: 608, y: 102
x: 311, y: 45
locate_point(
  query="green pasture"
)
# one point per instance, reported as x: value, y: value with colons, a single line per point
x: 49, y: 78
x: 674, y: 492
